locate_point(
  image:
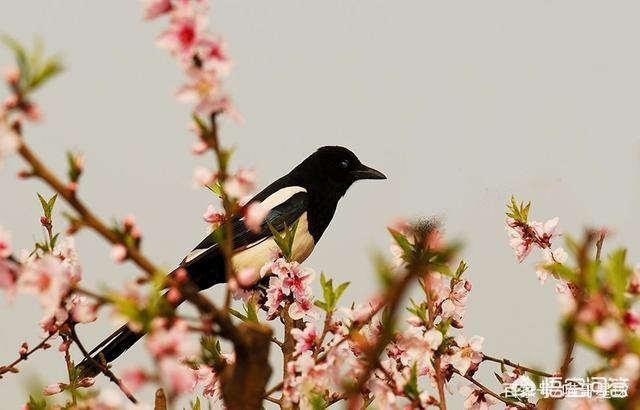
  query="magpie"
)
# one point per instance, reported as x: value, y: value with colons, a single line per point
x: 309, y: 194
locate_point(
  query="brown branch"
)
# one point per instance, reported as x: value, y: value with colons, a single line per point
x: 11, y: 367
x: 508, y: 362
x: 274, y: 389
x: 103, y: 368
x: 492, y: 393
x: 161, y: 400
x: 393, y: 299
x: 440, y: 379
x: 88, y: 218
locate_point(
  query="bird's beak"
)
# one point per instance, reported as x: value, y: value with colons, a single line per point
x: 364, y: 172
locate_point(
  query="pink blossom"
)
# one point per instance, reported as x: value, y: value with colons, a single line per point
x: 628, y: 367
x: 203, y: 176
x: 433, y: 338
x: 183, y: 32
x: 558, y: 255
x: 174, y: 295
x: 302, y: 308
x: 589, y: 404
x: 52, y: 389
x: 205, y: 91
x: 467, y: 355
x: 212, y: 216
x: 199, y: 147
x: 275, y: 296
x: 47, y: 278
x: 119, y: 253
x: 134, y: 378
x: 305, y: 339
x: 212, y: 51
x: 208, y: 379
x: 247, y: 277
x: 179, y: 377
x: 155, y: 8
x: 634, y: 282
x: 11, y: 75
x: 632, y: 317
x: 64, y: 346
x: 8, y: 269
x: 51, y: 321
x: 32, y: 111
x: 295, y: 279
x: 254, y: 215
x: 240, y: 184
x: 170, y: 339
x: 453, y: 307
x: 476, y: 399
x: 608, y: 335
x: 9, y: 141
x: 5, y: 244
x: 523, y: 235
x: 82, y: 310
x: 546, y: 230
x: 8, y: 277
x: 362, y: 312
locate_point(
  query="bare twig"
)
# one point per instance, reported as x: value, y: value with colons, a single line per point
x: 492, y: 393
x: 88, y: 218
x: 393, y: 299
x: 103, y: 368
x: 508, y: 362
x: 161, y: 400
x: 11, y: 367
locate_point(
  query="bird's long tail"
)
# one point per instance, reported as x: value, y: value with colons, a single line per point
x: 202, y: 276
x: 108, y: 350
x: 111, y: 348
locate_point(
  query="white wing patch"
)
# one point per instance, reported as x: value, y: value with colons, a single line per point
x: 194, y: 254
x: 273, y: 200
x: 256, y: 255
x: 281, y: 196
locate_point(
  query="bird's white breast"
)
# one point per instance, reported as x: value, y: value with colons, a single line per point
x: 256, y: 255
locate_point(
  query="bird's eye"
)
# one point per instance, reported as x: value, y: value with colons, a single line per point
x: 344, y: 164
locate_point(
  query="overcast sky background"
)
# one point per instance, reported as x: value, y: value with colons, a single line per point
x: 461, y: 104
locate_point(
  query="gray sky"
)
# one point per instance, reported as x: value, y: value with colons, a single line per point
x: 461, y: 104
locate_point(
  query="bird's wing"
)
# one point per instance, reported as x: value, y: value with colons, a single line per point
x: 281, y: 215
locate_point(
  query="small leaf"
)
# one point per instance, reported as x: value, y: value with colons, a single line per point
x: 616, y: 275
x: 340, y: 290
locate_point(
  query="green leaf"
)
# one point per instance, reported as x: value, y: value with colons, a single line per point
x: 285, y: 239
x: 22, y: 60
x: 196, y: 405
x: 518, y: 212
x: 462, y: 268
x: 563, y: 271
x: 340, y: 290
x: 401, y: 240
x: 411, y: 388
x: 47, y: 206
x: 252, y: 312
x: 617, y: 275
x: 216, y: 188
x: 36, y: 403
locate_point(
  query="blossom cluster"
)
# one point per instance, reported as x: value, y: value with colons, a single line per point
x: 52, y: 277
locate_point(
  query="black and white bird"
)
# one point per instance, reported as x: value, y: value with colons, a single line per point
x: 308, y: 194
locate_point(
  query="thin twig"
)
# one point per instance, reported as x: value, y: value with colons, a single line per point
x: 12, y: 366
x: 103, y: 368
x: 41, y: 171
x: 508, y: 362
x: 489, y: 391
x: 274, y: 389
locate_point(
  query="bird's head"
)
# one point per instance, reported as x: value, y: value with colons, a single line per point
x: 335, y: 168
